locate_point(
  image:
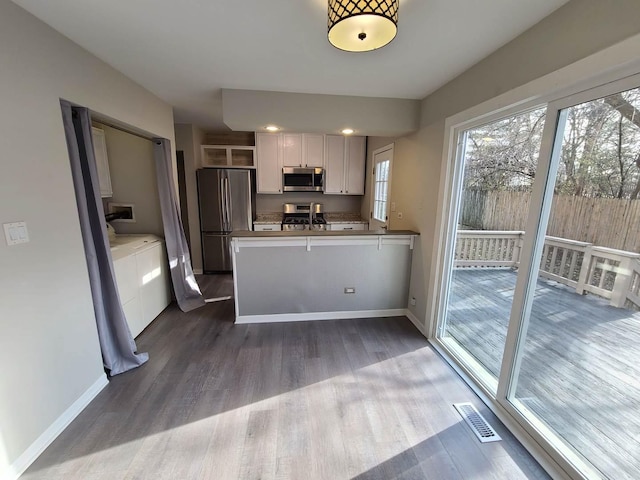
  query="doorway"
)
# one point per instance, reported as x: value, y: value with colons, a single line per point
x: 182, y: 193
x: 381, y: 188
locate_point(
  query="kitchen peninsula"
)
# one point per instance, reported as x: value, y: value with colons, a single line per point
x: 316, y: 275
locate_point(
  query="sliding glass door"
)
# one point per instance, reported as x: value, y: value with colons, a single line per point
x: 578, y: 375
x: 541, y: 304
x: 499, y: 164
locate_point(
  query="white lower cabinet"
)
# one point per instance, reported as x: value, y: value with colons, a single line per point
x: 270, y: 227
x: 347, y: 226
x: 152, y: 274
x: 133, y: 313
x: 143, y: 278
x: 126, y: 278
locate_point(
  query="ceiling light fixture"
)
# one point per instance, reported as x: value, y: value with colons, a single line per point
x: 362, y: 25
x: 347, y: 131
x: 271, y: 128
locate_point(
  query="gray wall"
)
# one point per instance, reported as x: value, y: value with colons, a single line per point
x: 290, y: 279
x: 576, y: 30
x: 407, y: 179
x: 49, y: 353
x: 188, y: 139
x: 133, y: 178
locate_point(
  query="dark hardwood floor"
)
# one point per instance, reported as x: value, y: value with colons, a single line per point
x: 215, y: 286
x: 350, y: 399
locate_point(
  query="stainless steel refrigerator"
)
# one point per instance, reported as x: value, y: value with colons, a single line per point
x: 227, y: 203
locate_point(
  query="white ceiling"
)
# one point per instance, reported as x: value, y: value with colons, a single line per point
x: 186, y: 51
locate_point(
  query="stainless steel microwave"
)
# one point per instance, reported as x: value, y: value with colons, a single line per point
x: 300, y: 179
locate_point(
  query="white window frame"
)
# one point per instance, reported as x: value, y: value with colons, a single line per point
x: 621, y: 74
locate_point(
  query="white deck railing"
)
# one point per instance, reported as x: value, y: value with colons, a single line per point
x: 633, y: 292
x: 488, y: 248
x: 606, y: 272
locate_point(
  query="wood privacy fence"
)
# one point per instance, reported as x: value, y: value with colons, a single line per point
x: 609, y: 222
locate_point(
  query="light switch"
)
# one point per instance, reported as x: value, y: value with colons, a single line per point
x: 16, y: 233
x: 393, y: 206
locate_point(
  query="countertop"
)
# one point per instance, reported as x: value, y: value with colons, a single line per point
x: 268, y: 218
x: 343, y: 217
x: 325, y: 233
x: 330, y: 217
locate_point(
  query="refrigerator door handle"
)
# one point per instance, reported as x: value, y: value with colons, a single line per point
x: 229, y: 205
x: 249, y: 212
x: 223, y: 198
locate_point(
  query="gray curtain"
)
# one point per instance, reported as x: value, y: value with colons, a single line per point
x: 184, y: 282
x: 116, y: 342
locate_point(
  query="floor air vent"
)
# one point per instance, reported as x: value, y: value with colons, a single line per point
x: 478, y: 424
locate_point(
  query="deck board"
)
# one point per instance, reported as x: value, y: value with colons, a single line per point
x: 580, y: 371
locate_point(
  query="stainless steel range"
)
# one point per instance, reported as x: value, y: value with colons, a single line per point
x: 303, y: 216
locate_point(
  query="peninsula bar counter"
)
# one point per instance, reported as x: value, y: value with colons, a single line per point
x: 321, y: 275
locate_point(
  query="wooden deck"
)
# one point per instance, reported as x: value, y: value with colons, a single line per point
x: 580, y: 371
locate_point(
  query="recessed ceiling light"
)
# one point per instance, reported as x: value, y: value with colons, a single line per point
x: 272, y: 128
x: 348, y: 131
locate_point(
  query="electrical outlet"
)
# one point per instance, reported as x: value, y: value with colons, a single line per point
x: 349, y: 290
x: 413, y: 301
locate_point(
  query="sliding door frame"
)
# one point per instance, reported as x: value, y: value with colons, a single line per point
x: 547, y: 447
x: 541, y: 202
x: 455, y: 176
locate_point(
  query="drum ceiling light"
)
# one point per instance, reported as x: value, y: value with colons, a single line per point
x: 362, y: 25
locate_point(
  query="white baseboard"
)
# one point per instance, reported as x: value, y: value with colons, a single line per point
x: 416, y: 322
x: 305, y: 317
x: 29, y: 456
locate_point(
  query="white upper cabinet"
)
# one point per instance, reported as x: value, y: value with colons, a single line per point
x: 355, y: 161
x: 102, y: 162
x: 334, y: 164
x: 302, y: 150
x: 343, y: 159
x: 228, y: 156
x: 292, y: 150
x: 313, y: 150
x: 345, y: 164
x: 269, y: 162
